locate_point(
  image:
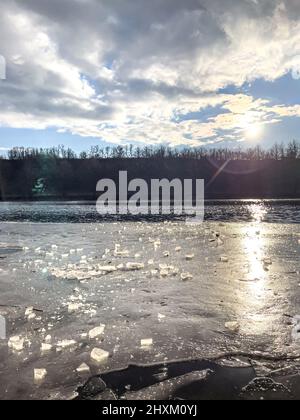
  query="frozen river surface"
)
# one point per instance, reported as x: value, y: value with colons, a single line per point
x: 227, y: 293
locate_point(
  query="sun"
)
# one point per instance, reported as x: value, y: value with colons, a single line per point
x: 251, y: 126
x: 253, y: 131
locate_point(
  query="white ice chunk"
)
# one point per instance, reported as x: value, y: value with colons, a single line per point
x: 31, y: 317
x: 186, y: 276
x: 48, y: 339
x: 74, y: 307
x: 190, y: 257
x: 96, y: 332
x: 65, y: 344
x: 146, y: 342
x: 39, y: 375
x: 99, y: 356
x: 107, y: 268
x: 83, y: 368
x: 132, y: 266
x: 16, y: 343
x: 29, y: 310
x: 45, y: 348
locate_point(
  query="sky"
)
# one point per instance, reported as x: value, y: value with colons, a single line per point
x: 180, y: 73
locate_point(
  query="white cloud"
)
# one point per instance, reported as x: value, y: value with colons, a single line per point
x: 126, y: 71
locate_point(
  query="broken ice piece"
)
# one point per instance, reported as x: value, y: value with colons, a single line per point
x: 74, y: 307
x: 146, y: 342
x: 48, y: 339
x: 65, y: 344
x: 224, y: 259
x: 107, y: 269
x: 161, y: 316
x: 45, y: 348
x: 99, y: 356
x: 186, y: 276
x: 164, y: 273
x: 130, y: 266
x: 233, y: 327
x: 29, y: 311
x: 190, y: 257
x: 84, y: 368
x: 16, y: 343
x: 96, y: 332
x: 166, y: 254
x: 178, y: 249
x: 39, y: 376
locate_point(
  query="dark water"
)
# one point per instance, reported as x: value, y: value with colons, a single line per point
x: 270, y: 211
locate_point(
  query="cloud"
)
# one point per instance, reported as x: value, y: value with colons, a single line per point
x: 124, y: 70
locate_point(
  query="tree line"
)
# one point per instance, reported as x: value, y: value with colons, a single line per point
x: 276, y: 152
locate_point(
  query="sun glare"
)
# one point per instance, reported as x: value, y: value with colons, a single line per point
x: 254, y: 131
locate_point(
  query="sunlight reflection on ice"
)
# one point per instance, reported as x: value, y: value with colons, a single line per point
x: 254, y: 243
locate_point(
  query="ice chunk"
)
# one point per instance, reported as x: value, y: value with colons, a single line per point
x: 45, y: 348
x: 166, y: 254
x: 267, y: 261
x: 224, y: 259
x: 233, y: 326
x: 157, y: 244
x: 146, y: 342
x: 186, y: 276
x: 39, y: 376
x: 83, y: 368
x: 16, y: 343
x: 161, y: 316
x: 31, y: 317
x: 132, y: 266
x: 65, y: 344
x: 164, y: 273
x: 96, y: 332
x: 190, y: 257
x: 178, y: 249
x: 48, y: 339
x: 107, y: 268
x: 74, y: 307
x: 29, y: 311
x: 99, y: 356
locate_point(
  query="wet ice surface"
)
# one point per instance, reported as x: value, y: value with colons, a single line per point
x: 198, y: 291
